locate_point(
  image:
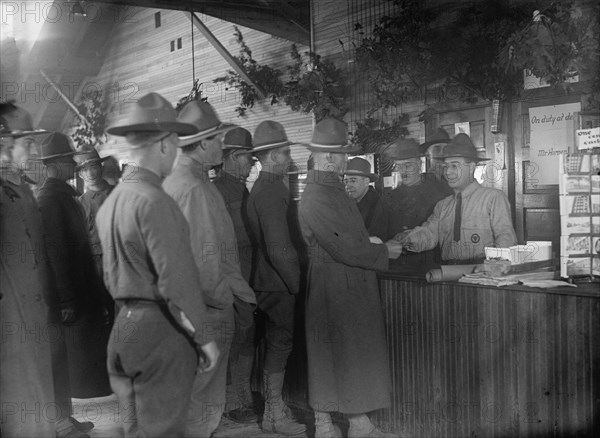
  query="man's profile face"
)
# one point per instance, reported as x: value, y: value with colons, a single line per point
x: 356, y: 186
x: 213, y: 147
x: 283, y: 157
x: 171, y: 143
x: 25, y: 149
x: 244, y: 161
x: 7, y: 145
x: 338, y: 163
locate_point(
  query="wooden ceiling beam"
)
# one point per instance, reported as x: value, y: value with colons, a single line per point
x: 283, y: 21
x: 205, y: 31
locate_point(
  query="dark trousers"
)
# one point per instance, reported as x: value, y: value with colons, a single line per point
x: 207, y: 402
x: 243, y: 338
x: 151, y: 365
x: 278, y: 309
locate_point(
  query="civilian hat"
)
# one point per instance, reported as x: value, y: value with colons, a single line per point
x: 87, y: 158
x: 360, y: 167
x: 56, y: 145
x: 269, y: 135
x: 461, y: 146
x: 238, y: 138
x: 16, y: 122
x: 402, y: 149
x: 331, y: 135
x: 151, y: 113
x: 202, y: 115
x: 440, y: 136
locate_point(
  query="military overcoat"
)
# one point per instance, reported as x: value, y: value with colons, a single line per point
x: 348, y: 368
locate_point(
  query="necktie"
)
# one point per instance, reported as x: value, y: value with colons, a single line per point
x: 457, y: 217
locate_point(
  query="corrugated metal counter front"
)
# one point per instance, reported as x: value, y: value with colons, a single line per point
x: 479, y: 361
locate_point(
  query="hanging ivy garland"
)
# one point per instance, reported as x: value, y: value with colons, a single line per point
x: 89, y: 133
x: 314, y: 85
x: 483, y: 48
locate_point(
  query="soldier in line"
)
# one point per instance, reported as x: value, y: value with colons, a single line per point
x: 26, y: 374
x: 348, y: 368
x: 214, y: 246
x: 231, y: 183
x: 150, y: 271
x: 91, y: 171
x: 276, y: 277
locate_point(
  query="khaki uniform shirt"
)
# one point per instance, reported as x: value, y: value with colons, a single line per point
x: 486, y: 221
x: 212, y: 236
x: 146, y: 249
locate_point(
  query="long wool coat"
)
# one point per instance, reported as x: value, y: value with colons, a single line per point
x: 348, y: 368
x: 77, y: 286
x: 26, y: 372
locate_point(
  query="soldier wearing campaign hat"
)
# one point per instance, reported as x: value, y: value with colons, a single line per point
x: 350, y: 372
x: 212, y: 238
x: 412, y: 201
x: 465, y: 223
x: 90, y: 169
x: 276, y: 274
x: 150, y: 272
x: 16, y: 128
x: 231, y: 183
x: 22, y: 221
x: 26, y: 374
x: 83, y: 303
x: 432, y: 149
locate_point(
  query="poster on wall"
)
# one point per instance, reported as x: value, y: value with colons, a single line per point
x: 552, y: 133
x: 579, y: 214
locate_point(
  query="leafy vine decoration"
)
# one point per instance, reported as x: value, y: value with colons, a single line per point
x: 314, y: 85
x: 194, y: 94
x: 266, y: 78
x: 88, y: 132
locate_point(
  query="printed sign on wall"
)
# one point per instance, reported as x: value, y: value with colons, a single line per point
x: 552, y: 134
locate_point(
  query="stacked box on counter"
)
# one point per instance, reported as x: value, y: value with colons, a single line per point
x: 579, y: 188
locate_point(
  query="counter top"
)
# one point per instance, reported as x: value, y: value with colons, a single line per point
x: 416, y: 274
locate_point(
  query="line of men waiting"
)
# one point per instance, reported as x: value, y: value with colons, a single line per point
x: 163, y: 242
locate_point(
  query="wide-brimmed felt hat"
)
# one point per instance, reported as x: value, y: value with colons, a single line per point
x: 238, y: 138
x: 331, y: 135
x: 151, y: 113
x: 440, y: 136
x: 269, y: 135
x: 461, y: 146
x: 56, y: 145
x: 16, y: 122
x: 402, y: 149
x: 202, y: 115
x: 360, y: 167
x: 87, y: 158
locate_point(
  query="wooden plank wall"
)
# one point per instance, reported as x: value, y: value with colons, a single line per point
x: 336, y: 37
x: 488, y: 362
x: 140, y: 60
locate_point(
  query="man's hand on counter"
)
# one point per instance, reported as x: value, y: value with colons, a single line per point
x: 375, y: 239
x: 394, y: 249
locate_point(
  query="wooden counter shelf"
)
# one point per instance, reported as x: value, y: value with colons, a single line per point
x: 482, y: 361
